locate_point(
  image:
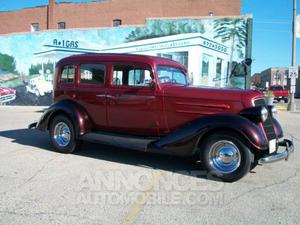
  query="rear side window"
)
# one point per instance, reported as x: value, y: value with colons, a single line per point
x: 67, y: 75
x: 92, y: 73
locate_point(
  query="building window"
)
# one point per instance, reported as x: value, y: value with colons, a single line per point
x: 117, y: 23
x: 61, y: 25
x: 35, y: 27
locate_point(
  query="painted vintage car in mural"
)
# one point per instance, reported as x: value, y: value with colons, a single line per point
x: 146, y: 103
x: 7, y: 95
x: 40, y: 86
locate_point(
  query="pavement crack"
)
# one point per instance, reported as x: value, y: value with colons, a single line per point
x: 39, y: 171
x: 264, y: 187
x: 43, y: 214
x: 33, y: 176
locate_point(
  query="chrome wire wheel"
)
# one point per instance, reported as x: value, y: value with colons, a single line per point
x: 62, y: 134
x: 224, y: 156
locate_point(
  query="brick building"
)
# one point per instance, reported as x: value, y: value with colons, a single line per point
x: 274, y: 76
x: 107, y: 13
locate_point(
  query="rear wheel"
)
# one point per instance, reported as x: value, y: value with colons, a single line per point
x: 63, y: 136
x: 226, y: 157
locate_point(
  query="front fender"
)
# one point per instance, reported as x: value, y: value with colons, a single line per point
x: 185, y: 140
x: 72, y: 110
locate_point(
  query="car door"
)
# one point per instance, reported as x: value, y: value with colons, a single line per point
x: 132, y: 105
x: 91, y: 92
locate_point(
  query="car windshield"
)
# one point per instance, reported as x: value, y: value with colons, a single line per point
x: 167, y: 74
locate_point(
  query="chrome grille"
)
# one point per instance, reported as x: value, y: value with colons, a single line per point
x: 268, y: 124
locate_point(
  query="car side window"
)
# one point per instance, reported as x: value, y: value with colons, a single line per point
x: 129, y: 75
x: 67, y: 74
x: 92, y: 73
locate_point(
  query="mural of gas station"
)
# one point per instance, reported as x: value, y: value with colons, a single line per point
x: 196, y: 43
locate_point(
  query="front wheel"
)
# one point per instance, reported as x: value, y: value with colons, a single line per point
x: 226, y: 157
x: 62, y: 134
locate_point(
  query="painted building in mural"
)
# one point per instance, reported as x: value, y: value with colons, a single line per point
x: 205, y: 45
x: 212, y: 57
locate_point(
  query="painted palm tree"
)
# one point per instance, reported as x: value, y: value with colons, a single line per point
x: 235, y: 31
x: 159, y: 28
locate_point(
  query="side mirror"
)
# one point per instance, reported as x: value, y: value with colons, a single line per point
x: 240, y: 69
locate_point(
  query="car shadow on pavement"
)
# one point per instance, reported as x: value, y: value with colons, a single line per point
x: 38, y: 139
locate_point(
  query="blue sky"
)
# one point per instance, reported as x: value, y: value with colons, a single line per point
x: 271, y: 32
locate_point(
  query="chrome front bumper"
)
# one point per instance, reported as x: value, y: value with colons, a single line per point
x: 284, y: 155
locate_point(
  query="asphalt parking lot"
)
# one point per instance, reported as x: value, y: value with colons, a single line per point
x: 105, y: 185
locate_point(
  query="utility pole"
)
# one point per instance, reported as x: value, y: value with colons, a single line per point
x: 291, y: 105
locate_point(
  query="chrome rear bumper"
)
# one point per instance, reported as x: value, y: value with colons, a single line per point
x: 284, y: 155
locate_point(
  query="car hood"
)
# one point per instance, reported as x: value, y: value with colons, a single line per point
x: 234, y: 96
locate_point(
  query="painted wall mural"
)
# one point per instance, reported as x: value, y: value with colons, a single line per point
x: 209, y: 48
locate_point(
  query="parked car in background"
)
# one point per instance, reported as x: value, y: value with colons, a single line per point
x: 280, y: 93
x: 39, y: 86
x: 146, y: 103
x: 7, y: 95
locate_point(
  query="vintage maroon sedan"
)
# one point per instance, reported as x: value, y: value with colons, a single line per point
x: 145, y: 103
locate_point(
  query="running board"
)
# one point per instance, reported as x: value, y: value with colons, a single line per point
x: 119, y: 140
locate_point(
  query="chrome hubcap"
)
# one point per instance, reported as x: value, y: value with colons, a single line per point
x: 62, y: 134
x: 224, y: 156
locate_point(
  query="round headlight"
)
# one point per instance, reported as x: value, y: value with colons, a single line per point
x: 264, y: 114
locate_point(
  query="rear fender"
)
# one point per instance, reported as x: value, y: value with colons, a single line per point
x: 75, y: 112
x: 185, y: 140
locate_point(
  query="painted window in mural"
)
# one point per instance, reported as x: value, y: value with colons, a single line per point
x: 205, y: 64
x: 168, y: 74
x: 132, y: 76
x: 181, y: 57
x: 92, y: 73
x: 68, y: 75
x: 219, y: 69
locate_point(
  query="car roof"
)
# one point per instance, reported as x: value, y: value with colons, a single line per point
x: 116, y: 57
